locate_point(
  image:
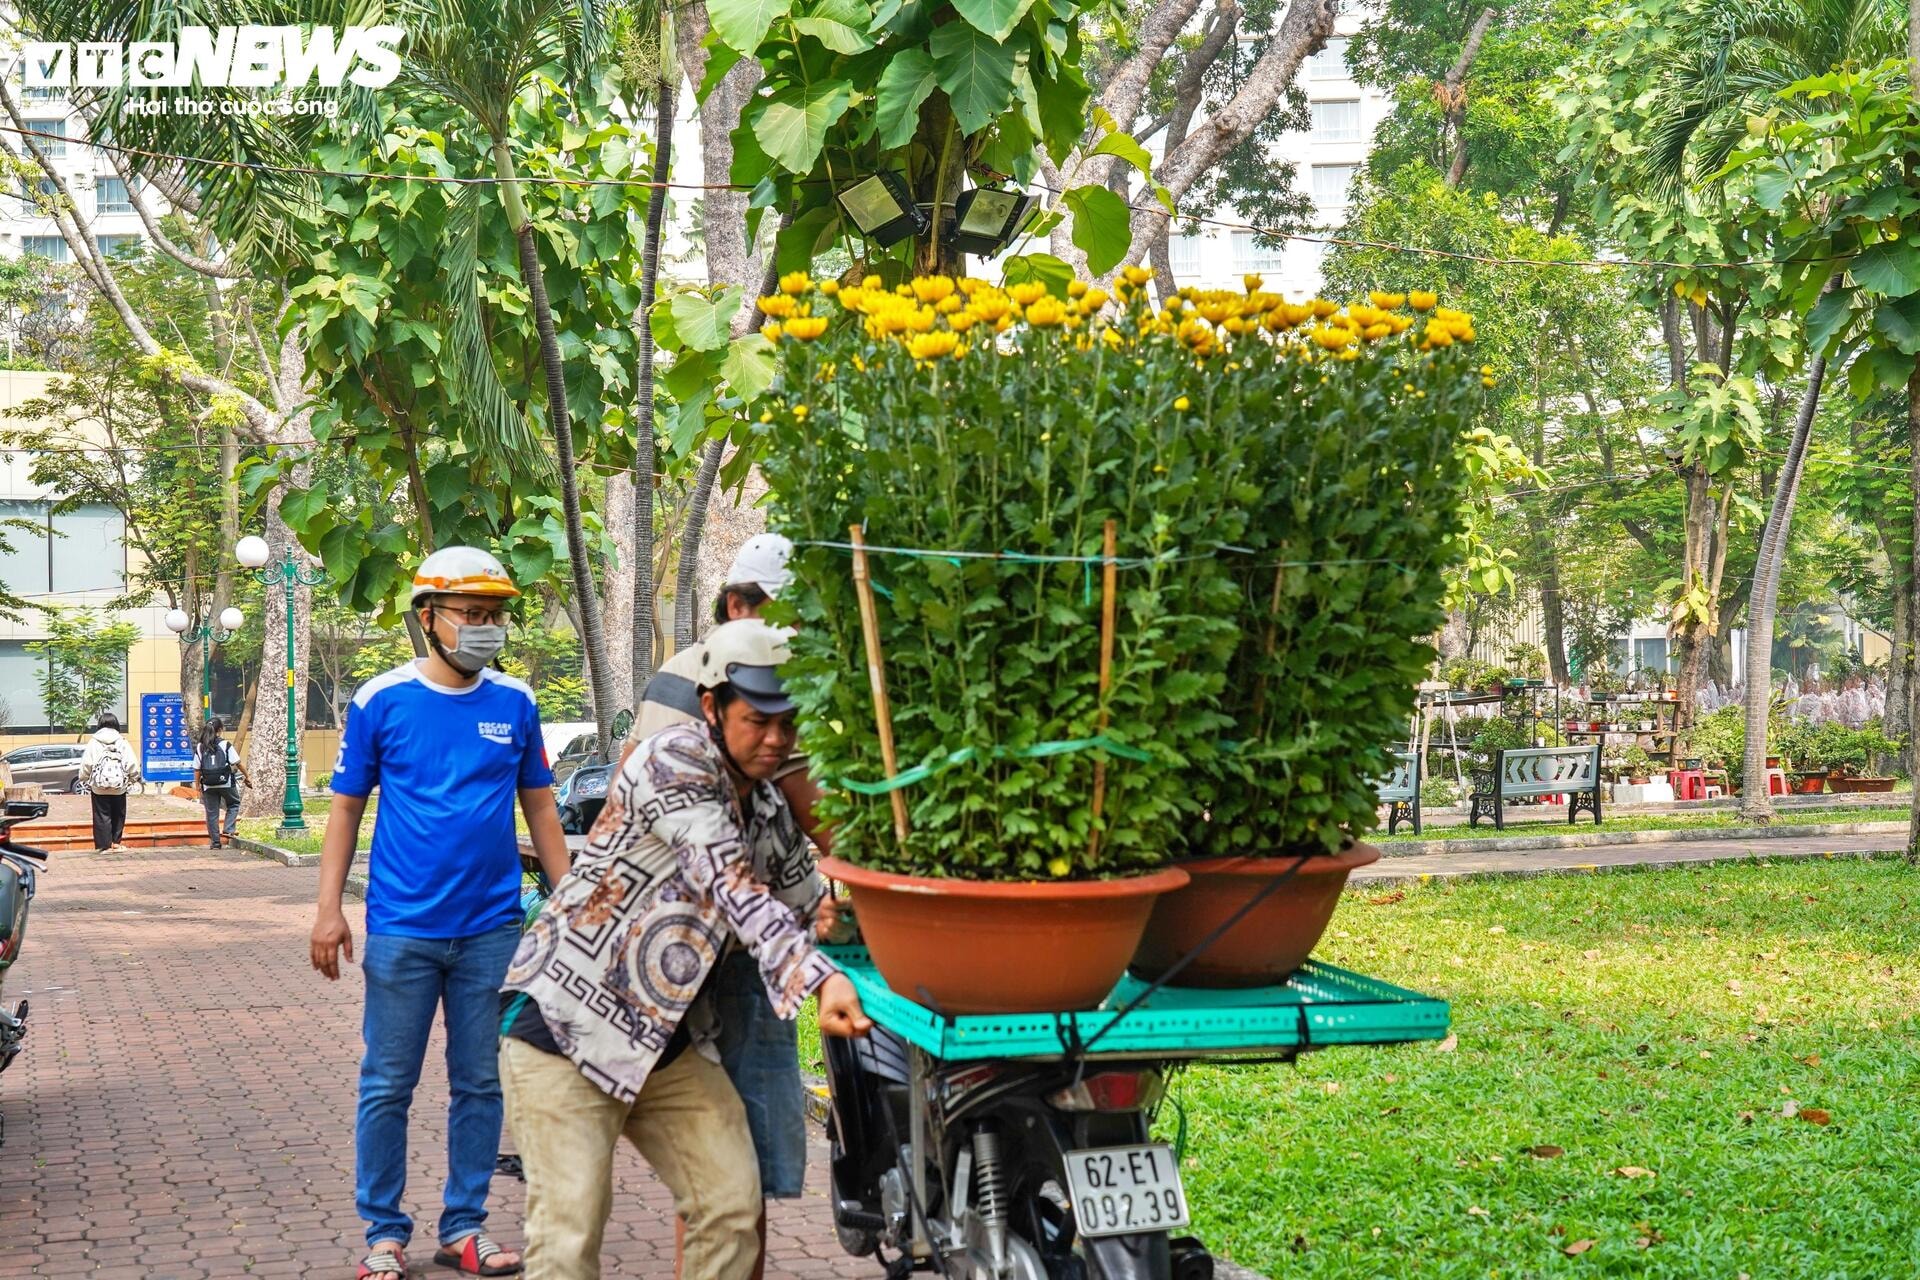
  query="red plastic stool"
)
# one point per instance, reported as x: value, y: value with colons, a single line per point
x: 1688, y: 784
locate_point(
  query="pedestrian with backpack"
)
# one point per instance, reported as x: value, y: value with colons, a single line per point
x: 107, y: 768
x: 219, y: 773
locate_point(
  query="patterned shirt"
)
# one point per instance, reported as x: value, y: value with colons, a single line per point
x: 673, y: 867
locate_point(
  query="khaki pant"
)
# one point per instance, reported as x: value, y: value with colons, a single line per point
x: 687, y: 1122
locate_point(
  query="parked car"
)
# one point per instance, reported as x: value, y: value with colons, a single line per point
x: 54, y: 766
x: 568, y: 744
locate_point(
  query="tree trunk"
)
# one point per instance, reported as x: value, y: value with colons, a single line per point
x: 616, y: 578
x: 1553, y: 618
x: 593, y: 643
x: 267, y: 749
x: 645, y: 655
x: 939, y: 137
x: 1899, y: 723
x: 1305, y: 27
x: 1452, y: 93
x: 1755, y: 803
x: 686, y: 591
x: 1913, y: 446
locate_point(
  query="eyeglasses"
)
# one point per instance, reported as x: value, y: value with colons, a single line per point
x: 474, y: 616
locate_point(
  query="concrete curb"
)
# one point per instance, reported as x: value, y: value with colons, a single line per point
x: 356, y: 886
x: 1390, y: 879
x: 1588, y: 839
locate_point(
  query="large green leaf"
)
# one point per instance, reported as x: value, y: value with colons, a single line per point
x: 1891, y: 267
x: 1042, y: 267
x: 704, y: 323
x: 793, y: 123
x: 749, y: 366
x: 996, y: 18
x: 1063, y: 110
x: 1124, y: 146
x: 1899, y: 323
x: 742, y: 24
x: 1828, y: 317
x: 1101, y: 226
x: 837, y: 36
x: 976, y: 71
x: 904, y: 85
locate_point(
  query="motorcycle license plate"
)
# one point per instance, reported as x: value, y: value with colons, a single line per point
x: 1120, y: 1190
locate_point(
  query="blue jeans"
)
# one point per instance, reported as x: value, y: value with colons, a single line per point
x: 407, y: 980
x: 761, y: 1052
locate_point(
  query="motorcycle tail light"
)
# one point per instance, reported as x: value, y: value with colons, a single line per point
x: 1111, y: 1091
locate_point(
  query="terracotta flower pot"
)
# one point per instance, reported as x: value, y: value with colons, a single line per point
x: 1270, y: 942
x: 1844, y: 784
x: 1809, y: 784
x: 972, y: 946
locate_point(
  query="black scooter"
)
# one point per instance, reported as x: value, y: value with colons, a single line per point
x: 19, y: 869
x: 1004, y: 1169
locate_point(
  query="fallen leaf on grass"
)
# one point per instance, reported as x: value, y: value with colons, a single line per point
x: 1789, y: 1108
x: 1448, y: 1045
x: 1590, y: 955
x: 1635, y: 1171
x: 1388, y: 899
x: 1578, y: 1247
x: 1814, y: 1115
x: 1546, y: 1151
x: 1811, y: 1060
x: 1389, y: 1078
x: 1391, y: 1111
x: 1746, y: 1117
x: 1476, y: 1211
x: 1498, y: 928
x: 1330, y: 1086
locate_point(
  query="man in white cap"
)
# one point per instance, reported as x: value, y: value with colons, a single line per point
x: 758, y: 1048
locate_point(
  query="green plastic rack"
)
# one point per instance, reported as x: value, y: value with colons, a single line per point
x: 1321, y: 1005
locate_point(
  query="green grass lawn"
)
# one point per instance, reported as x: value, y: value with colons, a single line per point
x: 1652, y: 1028
x: 1646, y: 1034
x: 1558, y: 825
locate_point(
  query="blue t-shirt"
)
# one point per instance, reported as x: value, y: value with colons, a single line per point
x: 445, y: 861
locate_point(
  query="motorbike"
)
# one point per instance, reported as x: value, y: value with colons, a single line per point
x: 20, y: 866
x: 1004, y: 1169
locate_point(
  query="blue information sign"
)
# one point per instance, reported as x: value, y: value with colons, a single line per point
x: 166, y: 751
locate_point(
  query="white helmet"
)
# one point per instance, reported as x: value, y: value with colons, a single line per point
x: 762, y: 562
x: 746, y: 654
x: 466, y: 571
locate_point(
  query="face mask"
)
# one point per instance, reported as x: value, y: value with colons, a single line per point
x: 473, y: 647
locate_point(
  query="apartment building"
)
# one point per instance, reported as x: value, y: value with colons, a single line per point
x: 1325, y: 157
x: 103, y: 200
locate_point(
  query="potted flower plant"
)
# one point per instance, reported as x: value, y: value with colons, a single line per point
x: 1056, y: 744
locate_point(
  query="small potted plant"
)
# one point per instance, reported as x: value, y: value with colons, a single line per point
x: 1638, y: 764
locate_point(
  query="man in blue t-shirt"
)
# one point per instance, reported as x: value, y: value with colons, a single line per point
x: 450, y: 742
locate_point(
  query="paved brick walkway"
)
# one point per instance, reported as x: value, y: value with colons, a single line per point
x: 1670, y: 853
x: 184, y: 1107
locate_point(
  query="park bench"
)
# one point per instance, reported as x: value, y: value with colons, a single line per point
x: 1529, y: 772
x: 1400, y: 791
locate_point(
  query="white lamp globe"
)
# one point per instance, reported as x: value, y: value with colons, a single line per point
x: 231, y: 618
x: 251, y: 551
x: 178, y: 621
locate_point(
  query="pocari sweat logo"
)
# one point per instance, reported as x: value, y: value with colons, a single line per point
x: 221, y: 57
x: 500, y: 731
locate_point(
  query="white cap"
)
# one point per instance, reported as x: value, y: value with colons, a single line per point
x: 763, y: 562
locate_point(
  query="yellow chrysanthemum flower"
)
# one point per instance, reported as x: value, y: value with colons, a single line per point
x: 991, y: 305
x: 872, y: 282
x: 1387, y: 301
x: 795, y: 282
x: 771, y: 331
x: 806, y: 328
x: 1027, y: 292
x: 949, y: 304
x: 830, y: 287
x: 778, y: 305
x: 1046, y: 313
x: 932, y: 288
x: 800, y: 412
x: 1094, y: 300
x: 1253, y: 280
x: 1076, y: 289
x: 932, y: 346
x: 1323, y: 307
x: 961, y: 321
x: 1375, y: 332
x: 1333, y: 338
x: 1422, y: 299
x: 1183, y: 404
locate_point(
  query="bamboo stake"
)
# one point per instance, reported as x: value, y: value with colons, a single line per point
x: 877, y: 677
x: 1110, y: 544
x: 1266, y: 650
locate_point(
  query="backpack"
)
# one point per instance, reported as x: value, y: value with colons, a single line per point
x: 216, y: 768
x: 110, y: 774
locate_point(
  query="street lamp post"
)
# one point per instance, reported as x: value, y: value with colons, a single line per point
x: 254, y: 553
x: 189, y: 630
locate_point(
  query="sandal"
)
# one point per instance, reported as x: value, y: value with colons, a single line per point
x: 381, y: 1264
x: 474, y: 1258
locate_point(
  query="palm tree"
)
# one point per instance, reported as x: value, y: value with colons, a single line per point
x: 481, y: 55
x: 1745, y: 53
